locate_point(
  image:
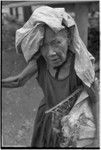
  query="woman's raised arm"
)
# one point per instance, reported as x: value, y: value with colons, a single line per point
x: 22, y: 78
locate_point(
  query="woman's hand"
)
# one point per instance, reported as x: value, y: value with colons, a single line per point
x: 22, y: 78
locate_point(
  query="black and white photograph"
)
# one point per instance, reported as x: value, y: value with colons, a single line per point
x: 50, y: 74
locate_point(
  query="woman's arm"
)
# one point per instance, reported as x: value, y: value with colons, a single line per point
x: 22, y: 78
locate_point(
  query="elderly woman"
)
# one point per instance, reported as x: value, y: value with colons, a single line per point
x: 55, y: 53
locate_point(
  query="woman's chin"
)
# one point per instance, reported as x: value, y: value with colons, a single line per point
x: 56, y: 65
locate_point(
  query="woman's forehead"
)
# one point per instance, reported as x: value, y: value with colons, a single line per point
x: 50, y: 35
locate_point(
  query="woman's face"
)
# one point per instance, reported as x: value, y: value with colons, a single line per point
x: 55, y: 47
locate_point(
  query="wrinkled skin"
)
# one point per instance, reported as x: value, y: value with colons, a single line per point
x: 55, y: 47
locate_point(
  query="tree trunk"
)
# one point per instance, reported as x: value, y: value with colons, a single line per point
x: 27, y: 11
x: 16, y: 12
x: 11, y: 11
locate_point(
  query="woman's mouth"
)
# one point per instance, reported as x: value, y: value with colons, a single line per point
x: 55, y: 62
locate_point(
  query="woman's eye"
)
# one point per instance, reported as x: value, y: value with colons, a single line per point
x: 59, y: 42
x: 56, y: 43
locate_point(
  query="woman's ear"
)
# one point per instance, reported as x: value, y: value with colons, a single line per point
x: 69, y: 40
x: 71, y: 37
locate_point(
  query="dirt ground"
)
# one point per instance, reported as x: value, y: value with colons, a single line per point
x: 19, y: 105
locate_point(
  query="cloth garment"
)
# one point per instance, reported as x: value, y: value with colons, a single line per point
x: 78, y: 126
x: 30, y: 37
x: 44, y: 135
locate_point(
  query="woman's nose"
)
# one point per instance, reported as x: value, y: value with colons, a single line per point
x: 51, y: 52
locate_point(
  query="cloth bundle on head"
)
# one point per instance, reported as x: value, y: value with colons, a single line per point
x: 30, y: 37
